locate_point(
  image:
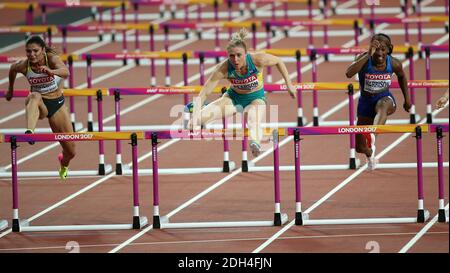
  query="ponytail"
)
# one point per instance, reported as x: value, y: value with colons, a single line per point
x: 238, y: 39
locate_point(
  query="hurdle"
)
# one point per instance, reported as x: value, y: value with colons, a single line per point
x: 49, y: 30
x: 407, y: 50
x: 109, y: 27
x: 353, y: 161
x: 163, y: 222
x: 355, y: 23
x: 184, y: 90
x: 428, y: 49
x: 439, y: 129
x: 28, y: 7
x: 102, y: 167
x: 406, y: 21
x: 93, y: 5
x: 22, y: 226
x: 303, y: 218
x: 144, y: 55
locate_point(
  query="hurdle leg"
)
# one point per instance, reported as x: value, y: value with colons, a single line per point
x: 137, y: 49
x: 124, y: 33
x: 101, y: 149
x: 244, y: 145
x: 15, y: 221
x: 298, y: 195
x: 313, y: 58
x: 421, y: 211
x: 138, y: 222
x: 118, y: 142
x: 351, y: 112
x: 442, y: 218
x: 100, y: 22
x: 113, y: 21
x: 15, y: 186
x: 89, y: 98
x: 428, y: 77
x: 300, y: 121
x: 226, y: 149
x: 276, y: 165
x: 71, y: 99
x: 412, y: 111
x: 152, y: 60
x: 156, y: 217
x: 166, y: 48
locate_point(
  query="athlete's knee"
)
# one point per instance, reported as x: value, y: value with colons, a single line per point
x: 70, y: 152
x: 42, y: 115
x: 360, y: 145
x: 360, y: 148
x: 34, y: 96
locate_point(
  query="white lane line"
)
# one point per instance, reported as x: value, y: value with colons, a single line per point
x: 215, y: 241
x: 420, y: 234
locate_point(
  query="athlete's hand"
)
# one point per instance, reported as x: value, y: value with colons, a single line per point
x: 441, y: 102
x: 45, y: 69
x: 9, y: 95
x: 292, y: 91
x: 407, y: 105
x: 374, y: 45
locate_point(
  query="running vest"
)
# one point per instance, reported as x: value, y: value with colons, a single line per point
x: 42, y: 82
x: 374, y: 81
x: 252, y: 81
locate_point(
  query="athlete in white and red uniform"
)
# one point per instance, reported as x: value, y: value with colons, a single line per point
x: 375, y: 70
x: 45, y: 72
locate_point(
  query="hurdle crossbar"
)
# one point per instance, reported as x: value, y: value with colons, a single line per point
x: 22, y: 226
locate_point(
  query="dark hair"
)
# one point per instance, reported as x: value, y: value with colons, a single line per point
x: 391, y: 46
x: 35, y: 39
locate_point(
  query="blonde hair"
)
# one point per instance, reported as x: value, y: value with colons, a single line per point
x: 238, y: 39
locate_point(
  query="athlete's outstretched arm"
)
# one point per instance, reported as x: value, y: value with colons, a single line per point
x: 362, y: 59
x: 58, y: 67
x: 402, y: 81
x: 13, y: 70
x: 357, y: 65
x: 264, y: 59
x: 217, y: 75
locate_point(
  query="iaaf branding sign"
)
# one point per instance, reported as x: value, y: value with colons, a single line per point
x: 345, y: 130
x: 74, y: 137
